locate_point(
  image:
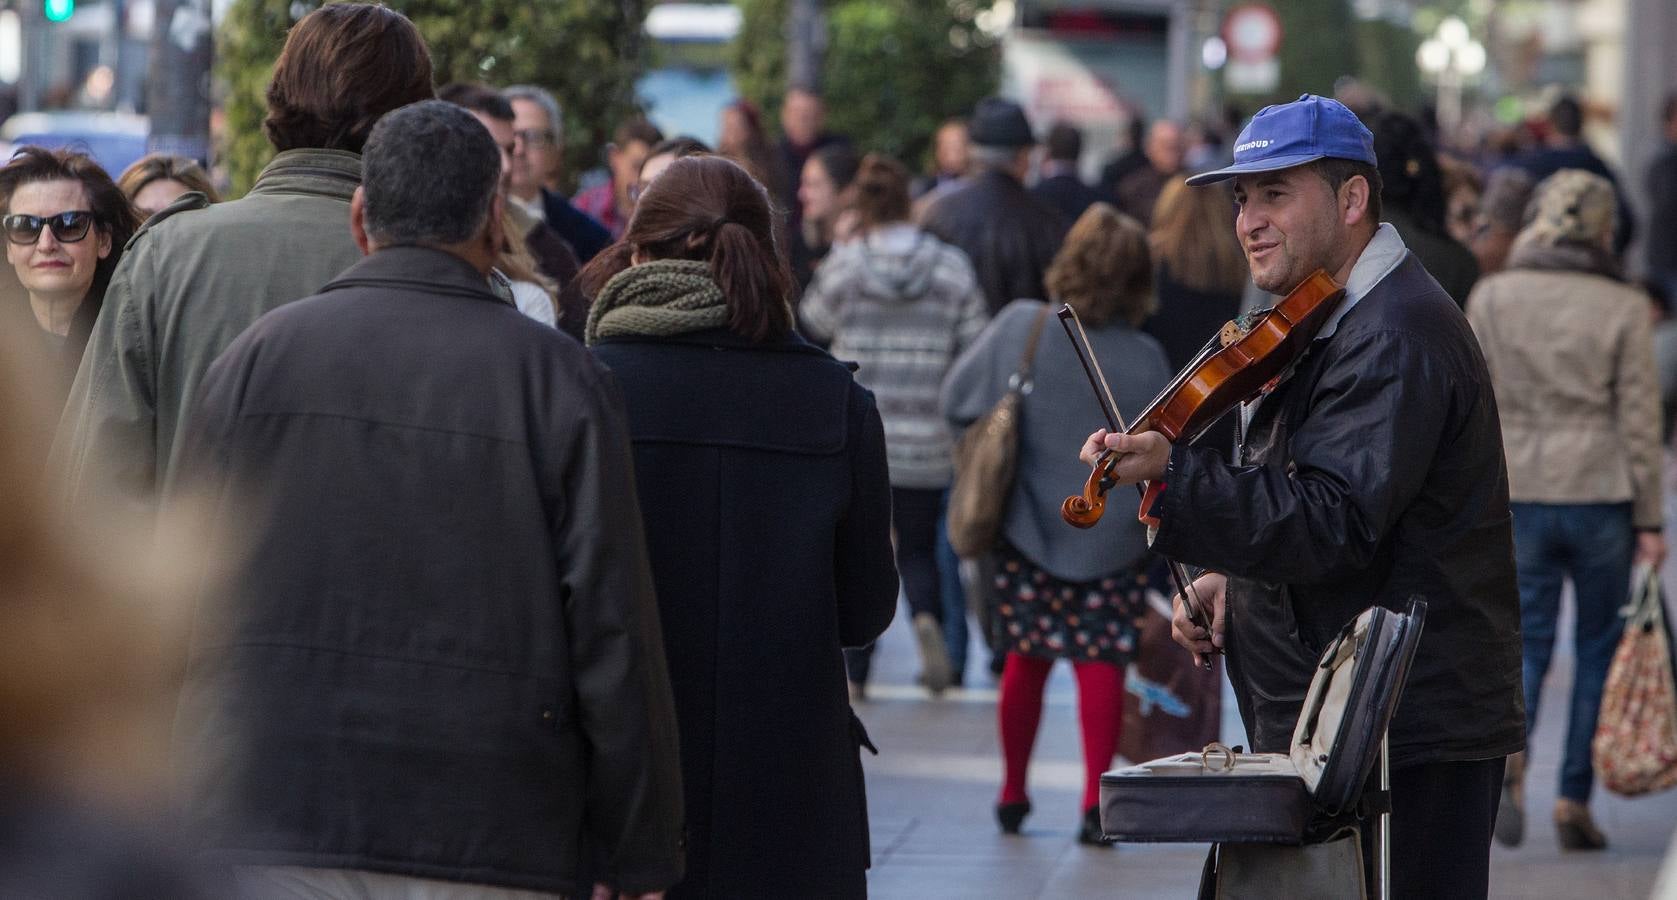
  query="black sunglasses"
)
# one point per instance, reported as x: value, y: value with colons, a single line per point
x: 67, y: 227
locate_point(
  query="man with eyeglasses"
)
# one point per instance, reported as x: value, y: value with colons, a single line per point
x: 537, y: 161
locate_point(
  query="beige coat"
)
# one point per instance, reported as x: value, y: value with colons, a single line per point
x: 1571, y: 357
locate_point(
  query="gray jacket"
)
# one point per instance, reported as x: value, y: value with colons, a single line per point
x: 193, y: 279
x: 1056, y: 416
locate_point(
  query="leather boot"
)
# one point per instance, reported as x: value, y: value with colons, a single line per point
x: 1574, y: 829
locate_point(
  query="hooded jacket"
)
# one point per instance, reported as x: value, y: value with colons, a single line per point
x: 903, y: 305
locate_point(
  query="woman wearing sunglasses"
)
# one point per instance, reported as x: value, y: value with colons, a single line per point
x: 65, y: 224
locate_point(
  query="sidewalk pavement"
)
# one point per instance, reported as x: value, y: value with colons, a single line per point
x: 932, y: 789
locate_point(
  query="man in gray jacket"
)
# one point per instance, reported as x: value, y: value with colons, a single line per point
x: 438, y: 670
x: 197, y: 275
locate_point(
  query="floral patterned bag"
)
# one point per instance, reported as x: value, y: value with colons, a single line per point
x: 1636, y: 736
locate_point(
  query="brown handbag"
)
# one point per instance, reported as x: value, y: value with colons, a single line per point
x: 986, y: 458
x: 1635, y: 746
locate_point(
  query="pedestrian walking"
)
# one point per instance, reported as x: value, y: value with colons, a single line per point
x: 1063, y: 593
x: 538, y: 163
x: 192, y: 281
x: 66, y: 225
x: 824, y: 197
x: 763, y: 482
x: 611, y: 202
x: 438, y: 670
x: 1058, y: 183
x: 1165, y: 150
x: 902, y: 305
x: 159, y: 179
x: 1413, y: 200
x: 1009, y: 235
x: 1571, y: 356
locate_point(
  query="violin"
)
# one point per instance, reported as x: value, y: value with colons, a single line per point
x: 1247, y: 355
x: 1237, y: 364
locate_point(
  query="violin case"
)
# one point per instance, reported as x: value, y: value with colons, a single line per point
x: 1281, y: 798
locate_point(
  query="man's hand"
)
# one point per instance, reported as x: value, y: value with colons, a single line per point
x: 1141, y: 457
x: 1210, y: 591
x: 1650, y: 548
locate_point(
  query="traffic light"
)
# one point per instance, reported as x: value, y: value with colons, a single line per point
x: 58, y: 10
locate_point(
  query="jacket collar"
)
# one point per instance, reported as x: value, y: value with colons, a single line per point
x: 329, y: 173
x: 419, y: 269
x: 1384, y: 253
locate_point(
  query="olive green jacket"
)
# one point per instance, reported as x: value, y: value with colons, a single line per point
x: 193, y: 279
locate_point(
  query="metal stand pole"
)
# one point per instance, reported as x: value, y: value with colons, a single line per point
x: 1384, y: 825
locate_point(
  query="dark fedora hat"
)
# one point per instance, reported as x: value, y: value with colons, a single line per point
x: 999, y: 122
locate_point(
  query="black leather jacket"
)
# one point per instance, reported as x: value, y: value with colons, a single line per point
x: 1374, y: 473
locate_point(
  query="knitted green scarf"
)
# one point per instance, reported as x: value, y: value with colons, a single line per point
x: 659, y: 298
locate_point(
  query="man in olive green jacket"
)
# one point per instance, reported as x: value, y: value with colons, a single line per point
x: 196, y: 276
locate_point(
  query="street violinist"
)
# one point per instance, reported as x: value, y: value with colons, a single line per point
x: 1370, y: 472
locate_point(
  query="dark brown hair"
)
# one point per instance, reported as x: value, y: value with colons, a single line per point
x: 1103, y: 269
x: 881, y: 191
x: 1194, y: 238
x: 707, y: 208
x: 164, y: 167
x: 344, y: 65
x: 113, y: 215
x: 1336, y: 172
x: 636, y: 129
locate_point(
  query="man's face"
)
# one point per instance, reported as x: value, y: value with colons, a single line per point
x: 501, y: 130
x: 626, y: 162
x: 801, y: 117
x: 951, y: 150
x: 536, y: 161
x: 1290, y: 224
x: 1165, y: 147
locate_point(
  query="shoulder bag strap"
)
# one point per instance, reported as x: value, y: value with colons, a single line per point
x: 1022, y: 375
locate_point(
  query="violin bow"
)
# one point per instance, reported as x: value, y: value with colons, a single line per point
x: 1115, y: 421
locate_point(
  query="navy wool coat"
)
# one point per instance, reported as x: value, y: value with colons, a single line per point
x: 763, y: 486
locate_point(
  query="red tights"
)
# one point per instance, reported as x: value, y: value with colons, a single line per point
x: 1100, y: 710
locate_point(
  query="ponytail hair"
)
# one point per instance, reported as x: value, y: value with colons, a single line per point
x: 707, y: 208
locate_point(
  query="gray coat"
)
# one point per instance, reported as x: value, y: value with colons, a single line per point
x: 191, y: 281
x: 1056, y: 416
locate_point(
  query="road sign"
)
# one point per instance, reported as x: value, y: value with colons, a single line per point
x: 1253, y: 32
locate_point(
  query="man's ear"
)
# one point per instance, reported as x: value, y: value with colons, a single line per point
x: 358, y: 220
x: 1354, y: 199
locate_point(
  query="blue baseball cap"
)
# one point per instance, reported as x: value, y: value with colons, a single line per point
x: 1292, y: 134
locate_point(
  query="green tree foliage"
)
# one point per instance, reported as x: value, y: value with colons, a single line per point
x: 587, y: 52
x: 892, y: 71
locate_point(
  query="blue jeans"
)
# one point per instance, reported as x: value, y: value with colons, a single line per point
x: 953, y: 595
x: 1593, y: 544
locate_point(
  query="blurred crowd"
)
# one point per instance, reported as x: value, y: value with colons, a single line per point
x: 532, y: 483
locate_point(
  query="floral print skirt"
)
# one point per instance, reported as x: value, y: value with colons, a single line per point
x: 1041, y: 615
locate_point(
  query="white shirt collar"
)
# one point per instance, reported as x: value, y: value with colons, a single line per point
x: 535, y: 207
x: 1384, y: 253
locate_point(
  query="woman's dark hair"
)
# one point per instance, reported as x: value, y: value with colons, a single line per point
x: 840, y: 162
x: 679, y: 146
x: 343, y: 66
x: 881, y: 192
x: 113, y: 215
x: 708, y: 208
x: 1410, y: 177
x: 164, y: 167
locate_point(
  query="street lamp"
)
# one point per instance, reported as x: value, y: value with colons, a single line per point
x: 1450, y: 56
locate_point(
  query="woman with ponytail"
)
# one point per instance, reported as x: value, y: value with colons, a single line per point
x: 762, y: 482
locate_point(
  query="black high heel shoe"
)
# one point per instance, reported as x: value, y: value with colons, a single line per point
x: 1011, y: 815
x: 1090, y: 831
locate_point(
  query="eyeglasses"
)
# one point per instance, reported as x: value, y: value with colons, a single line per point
x: 532, y: 137
x: 67, y: 227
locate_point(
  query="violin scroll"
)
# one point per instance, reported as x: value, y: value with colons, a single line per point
x: 1085, y: 509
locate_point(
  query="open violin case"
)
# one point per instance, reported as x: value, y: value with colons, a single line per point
x: 1296, y: 798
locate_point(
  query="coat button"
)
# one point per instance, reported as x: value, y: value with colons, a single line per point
x: 547, y: 715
